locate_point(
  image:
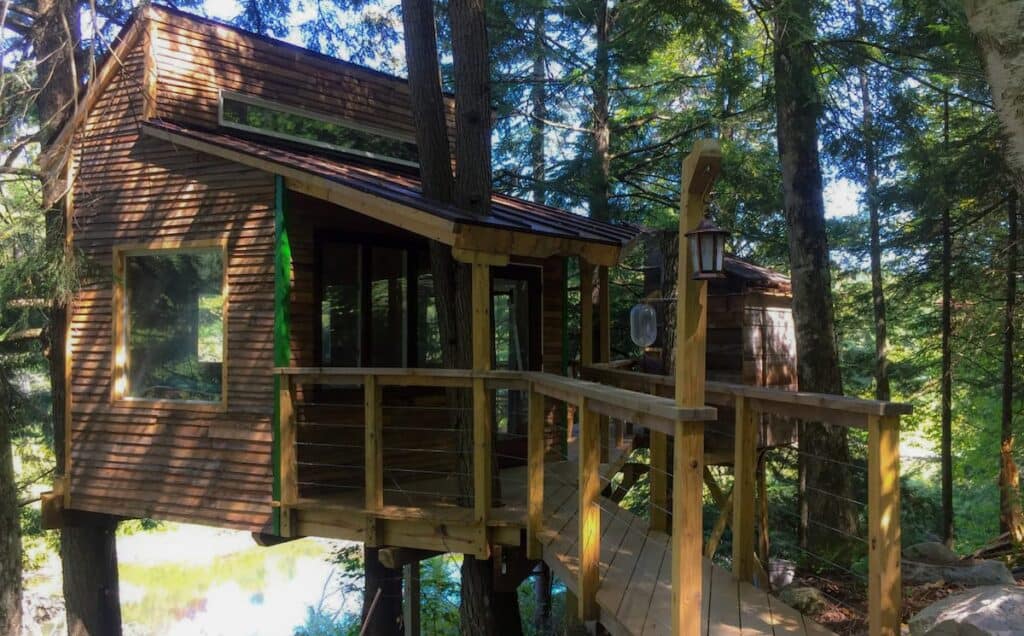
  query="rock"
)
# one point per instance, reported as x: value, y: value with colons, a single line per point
x: 970, y: 573
x: 781, y: 573
x: 806, y: 600
x: 931, y: 552
x: 992, y: 610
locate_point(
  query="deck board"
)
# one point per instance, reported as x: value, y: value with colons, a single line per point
x: 635, y: 591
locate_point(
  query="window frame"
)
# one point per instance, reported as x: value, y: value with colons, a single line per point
x: 119, y: 316
x: 259, y: 102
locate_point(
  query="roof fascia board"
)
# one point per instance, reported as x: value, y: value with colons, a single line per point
x: 479, y: 238
x: 418, y: 221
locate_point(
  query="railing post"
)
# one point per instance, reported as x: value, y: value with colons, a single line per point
x: 659, y: 481
x: 481, y: 335
x: 744, y: 465
x: 535, y: 475
x: 687, y: 527
x: 374, y: 447
x: 589, y: 512
x: 289, y: 460
x: 884, y: 577
x: 604, y: 349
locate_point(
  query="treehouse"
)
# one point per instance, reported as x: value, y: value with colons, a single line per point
x: 257, y: 346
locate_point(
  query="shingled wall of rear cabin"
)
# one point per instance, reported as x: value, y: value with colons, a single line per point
x: 173, y: 461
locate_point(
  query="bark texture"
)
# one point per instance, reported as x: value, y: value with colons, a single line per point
x: 539, y: 108
x: 10, y: 529
x: 89, y: 554
x: 999, y: 27
x: 946, y: 379
x: 382, y: 597
x: 601, y: 159
x: 882, y: 391
x: 827, y: 515
x: 1011, y: 518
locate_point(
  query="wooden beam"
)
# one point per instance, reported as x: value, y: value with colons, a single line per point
x: 482, y: 414
x: 699, y: 170
x: 659, y: 481
x: 589, y: 513
x: 723, y: 521
x: 289, y: 459
x: 374, y: 448
x: 687, y: 528
x: 604, y: 348
x: 527, y: 244
x: 535, y: 476
x: 482, y: 258
x: 884, y: 576
x: 744, y: 467
x: 396, y: 558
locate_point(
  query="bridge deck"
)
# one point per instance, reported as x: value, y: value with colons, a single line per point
x: 634, y: 595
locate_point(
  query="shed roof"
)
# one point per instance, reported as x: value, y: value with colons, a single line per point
x: 344, y: 174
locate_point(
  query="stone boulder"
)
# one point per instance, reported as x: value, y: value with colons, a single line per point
x: 992, y: 610
x: 806, y: 600
x: 970, y: 573
x: 931, y: 552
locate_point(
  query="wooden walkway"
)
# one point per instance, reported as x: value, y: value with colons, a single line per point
x: 634, y: 595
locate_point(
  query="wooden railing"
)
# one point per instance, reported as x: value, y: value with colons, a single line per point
x: 880, y: 419
x: 592, y: 401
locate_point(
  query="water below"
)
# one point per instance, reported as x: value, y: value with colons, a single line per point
x: 197, y: 581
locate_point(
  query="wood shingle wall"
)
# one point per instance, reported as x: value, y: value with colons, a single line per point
x: 169, y: 461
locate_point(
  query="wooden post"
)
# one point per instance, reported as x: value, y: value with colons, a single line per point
x: 589, y: 512
x: 884, y: 577
x: 481, y: 328
x: 699, y: 171
x: 659, y: 481
x: 604, y: 352
x: 411, y: 609
x: 535, y: 476
x: 374, y: 448
x: 744, y: 466
x: 289, y: 461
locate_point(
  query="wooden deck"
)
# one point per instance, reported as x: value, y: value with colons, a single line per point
x: 634, y: 595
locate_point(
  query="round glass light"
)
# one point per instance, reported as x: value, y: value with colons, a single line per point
x: 643, y: 325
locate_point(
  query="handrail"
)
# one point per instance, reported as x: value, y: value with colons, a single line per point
x: 880, y: 419
x: 834, y: 409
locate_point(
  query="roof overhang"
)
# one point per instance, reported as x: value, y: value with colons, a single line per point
x: 471, y: 241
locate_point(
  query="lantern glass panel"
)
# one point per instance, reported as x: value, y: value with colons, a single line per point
x: 707, y: 252
x: 643, y: 325
x: 720, y: 253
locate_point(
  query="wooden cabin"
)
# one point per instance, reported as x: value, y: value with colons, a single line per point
x: 256, y: 345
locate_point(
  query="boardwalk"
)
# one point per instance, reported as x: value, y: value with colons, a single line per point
x: 634, y: 595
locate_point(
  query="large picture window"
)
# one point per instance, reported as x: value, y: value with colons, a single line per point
x: 172, y: 336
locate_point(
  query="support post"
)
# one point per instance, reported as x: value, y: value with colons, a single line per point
x: 411, y: 589
x: 289, y: 461
x: 659, y: 481
x: 589, y: 512
x: 744, y: 466
x: 535, y: 476
x: 374, y: 448
x: 481, y: 328
x: 884, y: 576
x: 687, y: 527
x: 700, y: 168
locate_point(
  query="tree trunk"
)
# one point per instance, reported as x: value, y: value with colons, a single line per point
x: 10, y: 527
x: 997, y: 26
x: 601, y: 159
x: 382, y: 597
x: 871, y: 195
x: 481, y: 607
x: 826, y: 500
x: 1011, y: 518
x: 88, y: 549
x: 539, y: 108
x: 946, y: 380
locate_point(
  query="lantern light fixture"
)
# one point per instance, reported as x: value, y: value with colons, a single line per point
x: 707, y: 247
x: 643, y: 325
